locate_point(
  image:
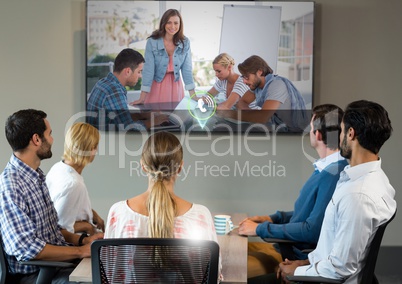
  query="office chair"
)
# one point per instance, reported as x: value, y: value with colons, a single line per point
x: 367, y: 275
x: 46, y: 272
x: 286, y: 247
x: 154, y: 260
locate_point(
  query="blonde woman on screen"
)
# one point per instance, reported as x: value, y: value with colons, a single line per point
x: 228, y: 81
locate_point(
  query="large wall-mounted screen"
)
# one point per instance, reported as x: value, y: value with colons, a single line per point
x: 213, y: 97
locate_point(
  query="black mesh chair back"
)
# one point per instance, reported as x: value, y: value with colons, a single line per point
x: 47, y: 269
x: 154, y: 260
x: 368, y: 275
x: 3, y: 264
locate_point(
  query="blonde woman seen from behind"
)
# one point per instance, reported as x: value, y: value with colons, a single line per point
x: 66, y: 184
x: 158, y: 212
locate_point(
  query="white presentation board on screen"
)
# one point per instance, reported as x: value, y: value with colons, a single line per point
x: 251, y: 30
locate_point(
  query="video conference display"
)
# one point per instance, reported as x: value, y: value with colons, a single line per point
x: 281, y: 33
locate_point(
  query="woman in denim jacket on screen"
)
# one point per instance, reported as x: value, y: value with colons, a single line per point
x: 167, y: 53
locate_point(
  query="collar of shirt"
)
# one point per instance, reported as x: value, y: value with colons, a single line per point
x: 263, y: 90
x: 321, y: 164
x: 112, y: 77
x: 27, y: 171
x: 268, y: 79
x: 355, y: 172
x: 161, y: 45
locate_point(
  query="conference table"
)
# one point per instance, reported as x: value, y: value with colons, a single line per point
x: 186, y: 115
x: 233, y: 249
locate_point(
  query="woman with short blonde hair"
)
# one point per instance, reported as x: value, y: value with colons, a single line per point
x: 66, y: 184
x: 228, y: 82
x: 80, y: 142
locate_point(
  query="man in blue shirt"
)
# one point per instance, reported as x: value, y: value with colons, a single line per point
x: 28, y: 219
x: 363, y: 200
x: 107, y: 107
x: 303, y: 224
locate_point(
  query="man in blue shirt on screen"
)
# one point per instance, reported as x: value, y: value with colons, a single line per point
x: 107, y: 107
x: 303, y: 224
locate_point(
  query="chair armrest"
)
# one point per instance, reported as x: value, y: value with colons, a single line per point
x: 282, y: 241
x: 313, y: 279
x: 285, y: 247
x: 274, y: 240
x: 48, y: 263
x: 307, y: 250
x: 47, y: 269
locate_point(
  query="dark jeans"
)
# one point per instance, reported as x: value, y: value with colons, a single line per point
x: 60, y: 277
x: 265, y: 279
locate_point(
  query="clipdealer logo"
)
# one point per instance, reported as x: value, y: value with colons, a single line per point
x: 119, y: 144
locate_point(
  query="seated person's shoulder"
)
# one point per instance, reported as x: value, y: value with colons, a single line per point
x: 63, y: 182
x: 13, y: 180
x: 334, y: 169
x: 277, y: 83
x: 201, y: 209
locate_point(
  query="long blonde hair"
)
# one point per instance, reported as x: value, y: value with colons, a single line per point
x: 162, y: 156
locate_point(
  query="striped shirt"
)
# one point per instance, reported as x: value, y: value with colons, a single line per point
x: 239, y: 87
x: 28, y: 219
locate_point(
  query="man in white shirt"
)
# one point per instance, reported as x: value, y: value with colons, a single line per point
x: 363, y: 199
x: 302, y: 224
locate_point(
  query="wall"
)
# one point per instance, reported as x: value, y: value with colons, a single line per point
x: 357, y: 48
